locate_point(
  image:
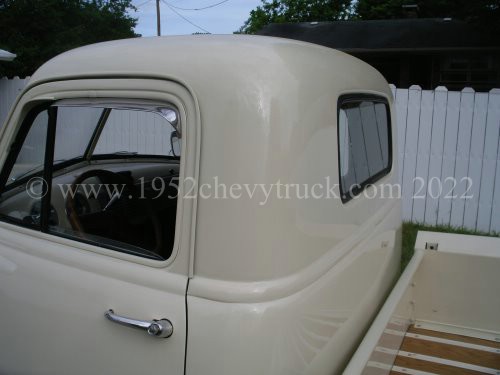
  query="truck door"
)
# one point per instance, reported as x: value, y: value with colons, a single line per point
x: 93, y: 259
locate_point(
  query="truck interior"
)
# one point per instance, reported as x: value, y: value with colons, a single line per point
x: 106, y: 187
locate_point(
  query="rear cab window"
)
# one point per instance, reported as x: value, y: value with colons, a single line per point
x: 364, y: 142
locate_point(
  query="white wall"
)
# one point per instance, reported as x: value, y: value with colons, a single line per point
x: 449, y: 153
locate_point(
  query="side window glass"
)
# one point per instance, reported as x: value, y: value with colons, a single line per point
x: 364, y: 143
x: 20, y: 199
x: 116, y: 185
x: 113, y: 179
x: 32, y: 153
x: 344, y: 144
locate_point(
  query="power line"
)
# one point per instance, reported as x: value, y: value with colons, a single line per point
x: 142, y: 4
x: 185, y: 18
x: 203, y: 8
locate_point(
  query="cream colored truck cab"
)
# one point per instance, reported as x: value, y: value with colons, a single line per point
x: 220, y: 194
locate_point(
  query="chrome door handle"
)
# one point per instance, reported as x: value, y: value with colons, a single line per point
x: 157, y: 328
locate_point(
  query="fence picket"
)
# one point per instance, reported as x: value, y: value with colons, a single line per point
x: 434, y: 188
x: 401, y: 109
x: 4, y: 98
x: 462, y: 156
x: 9, y: 91
x: 410, y: 151
x: 449, y: 150
x: 493, y: 129
x: 475, y: 160
x: 424, y: 145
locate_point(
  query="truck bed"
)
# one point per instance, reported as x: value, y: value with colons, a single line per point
x: 443, y: 315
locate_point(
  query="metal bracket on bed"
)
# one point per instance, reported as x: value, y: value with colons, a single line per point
x: 431, y: 246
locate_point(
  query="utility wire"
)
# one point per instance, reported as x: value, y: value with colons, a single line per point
x: 203, y: 8
x: 185, y: 18
x: 142, y: 4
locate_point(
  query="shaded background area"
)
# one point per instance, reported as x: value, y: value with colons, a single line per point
x: 414, y: 51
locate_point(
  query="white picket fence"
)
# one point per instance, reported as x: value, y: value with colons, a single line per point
x: 9, y: 90
x: 449, y: 154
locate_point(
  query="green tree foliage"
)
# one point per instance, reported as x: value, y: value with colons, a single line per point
x: 281, y: 11
x: 38, y: 30
x: 475, y: 11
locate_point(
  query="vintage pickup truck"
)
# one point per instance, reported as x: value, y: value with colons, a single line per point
x: 230, y: 198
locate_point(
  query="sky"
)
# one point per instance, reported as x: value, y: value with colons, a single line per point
x: 221, y: 19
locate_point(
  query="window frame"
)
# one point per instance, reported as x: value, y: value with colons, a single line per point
x: 347, y: 196
x: 48, y: 168
x: 15, y: 148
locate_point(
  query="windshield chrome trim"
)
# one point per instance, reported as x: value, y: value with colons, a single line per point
x: 167, y: 111
x: 97, y: 134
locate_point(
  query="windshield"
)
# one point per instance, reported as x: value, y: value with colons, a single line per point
x: 135, y: 132
x: 75, y: 127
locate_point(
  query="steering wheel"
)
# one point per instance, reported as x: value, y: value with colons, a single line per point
x: 125, y: 210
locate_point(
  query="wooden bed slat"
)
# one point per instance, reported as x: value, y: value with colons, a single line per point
x: 484, y: 354
x: 452, y: 352
x: 431, y: 367
x: 451, y: 336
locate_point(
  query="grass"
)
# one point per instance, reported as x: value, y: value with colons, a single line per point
x: 410, y: 235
